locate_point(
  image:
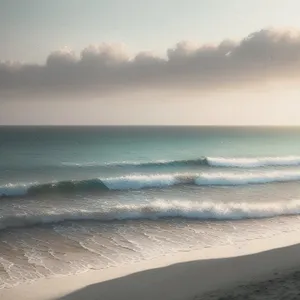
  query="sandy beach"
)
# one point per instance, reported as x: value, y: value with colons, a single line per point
x: 278, y: 286
x: 225, y: 272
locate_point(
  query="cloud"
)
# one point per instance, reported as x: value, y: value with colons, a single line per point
x: 261, y: 57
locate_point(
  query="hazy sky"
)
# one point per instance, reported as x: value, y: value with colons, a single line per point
x: 149, y: 62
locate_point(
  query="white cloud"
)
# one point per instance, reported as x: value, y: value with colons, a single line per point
x: 262, y: 56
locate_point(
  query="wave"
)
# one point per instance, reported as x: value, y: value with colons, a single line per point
x: 161, y: 209
x: 133, y: 182
x: 232, y: 179
x: 248, y: 162
x: 135, y: 164
x: 236, y: 162
x: 34, y: 189
x: 136, y: 182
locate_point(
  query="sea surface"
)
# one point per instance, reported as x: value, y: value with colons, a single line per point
x: 74, y: 199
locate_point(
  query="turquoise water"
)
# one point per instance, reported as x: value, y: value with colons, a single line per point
x: 43, y: 154
x: 75, y: 198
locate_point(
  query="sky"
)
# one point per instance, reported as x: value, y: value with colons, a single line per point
x: 133, y: 62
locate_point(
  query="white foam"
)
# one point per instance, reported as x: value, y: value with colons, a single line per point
x: 139, y: 181
x: 208, y: 178
x: 17, y: 189
x: 206, y: 210
x: 244, y: 162
x: 229, y: 178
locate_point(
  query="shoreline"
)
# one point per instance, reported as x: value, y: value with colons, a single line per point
x: 184, y: 275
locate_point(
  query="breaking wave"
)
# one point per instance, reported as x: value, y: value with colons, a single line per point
x: 254, y: 162
x: 237, y: 162
x: 61, y: 187
x: 136, y: 182
x: 161, y: 209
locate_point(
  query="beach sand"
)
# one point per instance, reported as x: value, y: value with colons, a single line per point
x: 284, y: 286
x: 226, y: 272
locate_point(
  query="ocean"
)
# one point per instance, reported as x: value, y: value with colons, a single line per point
x: 80, y: 198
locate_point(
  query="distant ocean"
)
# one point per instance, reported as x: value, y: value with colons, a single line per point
x: 81, y: 198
